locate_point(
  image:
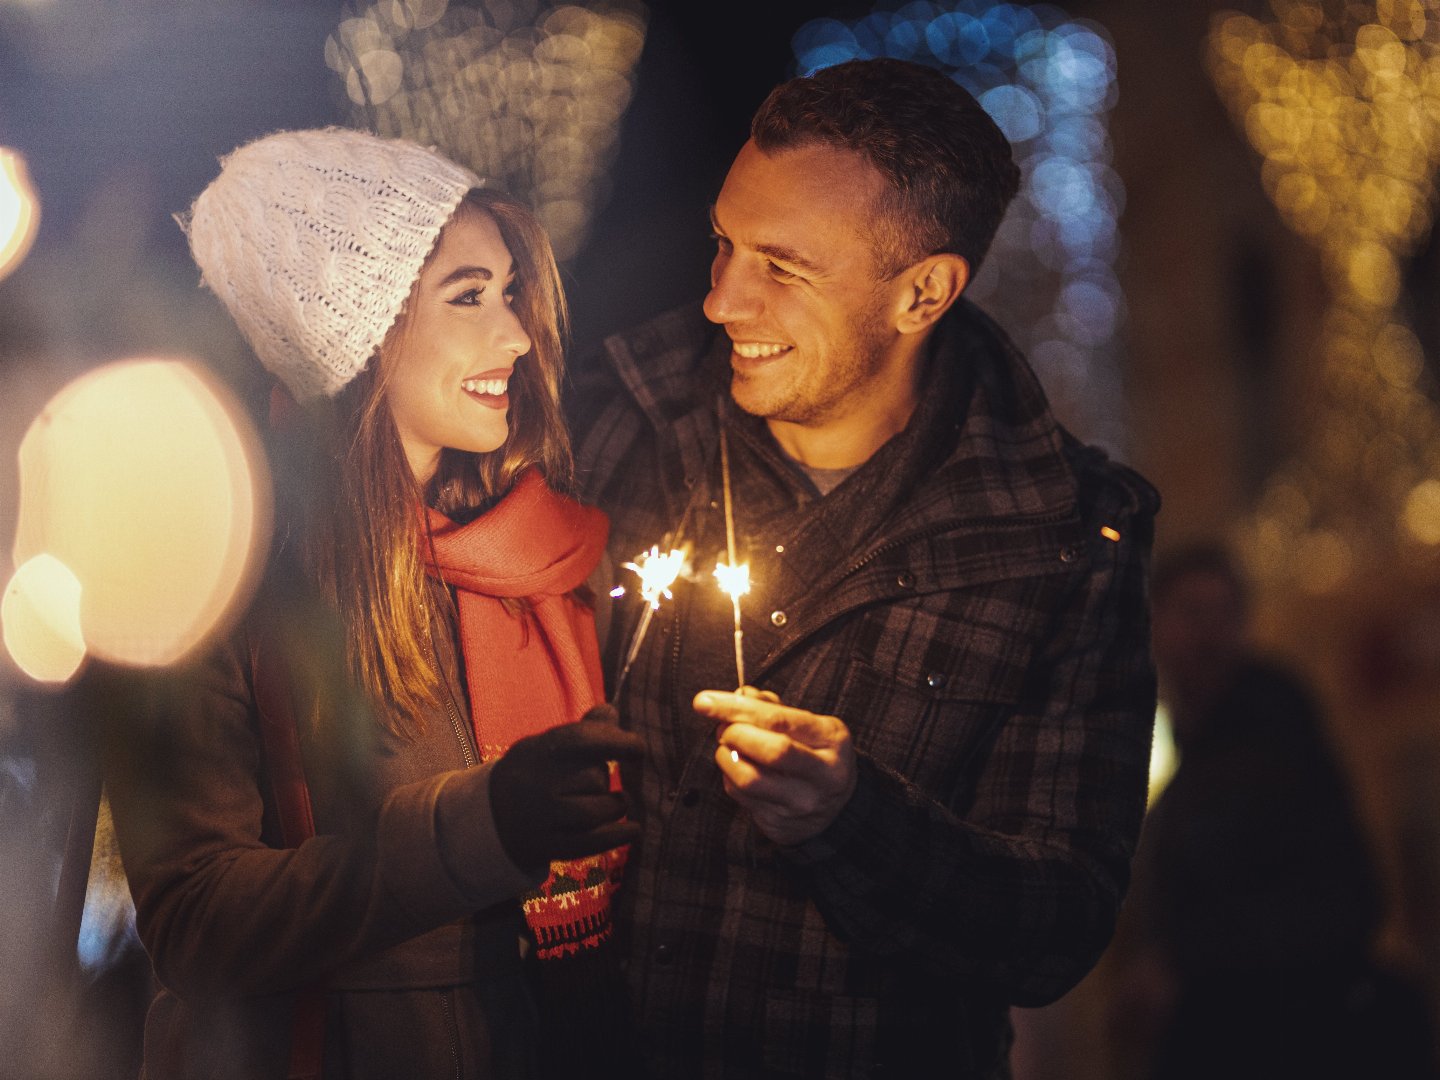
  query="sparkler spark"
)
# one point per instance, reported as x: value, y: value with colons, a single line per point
x: 657, y: 573
x: 734, y: 580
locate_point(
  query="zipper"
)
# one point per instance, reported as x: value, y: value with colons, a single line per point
x: 452, y: 1029
x: 456, y: 724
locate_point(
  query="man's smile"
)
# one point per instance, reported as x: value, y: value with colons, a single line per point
x: 759, y: 350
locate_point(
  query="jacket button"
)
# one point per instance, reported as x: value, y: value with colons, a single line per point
x: 664, y: 955
x: 778, y: 618
x: 1069, y: 553
x: 906, y: 580
x: 935, y: 680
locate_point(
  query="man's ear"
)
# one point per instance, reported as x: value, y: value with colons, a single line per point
x: 932, y: 285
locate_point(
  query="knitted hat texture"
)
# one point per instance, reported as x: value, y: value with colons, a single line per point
x: 313, y: 240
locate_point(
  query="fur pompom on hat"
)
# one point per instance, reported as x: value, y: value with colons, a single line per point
x: 313, y: 240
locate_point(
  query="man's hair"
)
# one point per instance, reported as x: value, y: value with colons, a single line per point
x: 948, y: 171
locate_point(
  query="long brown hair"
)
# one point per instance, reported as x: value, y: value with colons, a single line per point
x: 363, y: 533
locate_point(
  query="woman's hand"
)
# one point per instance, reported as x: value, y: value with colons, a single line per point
x: 550, y: 793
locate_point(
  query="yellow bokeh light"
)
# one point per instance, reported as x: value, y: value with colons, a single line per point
x: 507, y: 87
x: 40, y: 615
x: 19, y: 211
x: 1373, y: 274
x: 1164, y: 757
x: 1422, y: 512
x: 146, y: 480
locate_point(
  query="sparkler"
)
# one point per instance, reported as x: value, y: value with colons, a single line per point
x: 733, y: 577
x: 657, y: 573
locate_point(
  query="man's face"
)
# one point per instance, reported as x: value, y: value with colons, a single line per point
x: 795, y: 285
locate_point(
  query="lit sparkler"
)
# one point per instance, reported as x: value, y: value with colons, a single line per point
x: 735, y: 580
x: 733, y: 577
x: 657, y: 572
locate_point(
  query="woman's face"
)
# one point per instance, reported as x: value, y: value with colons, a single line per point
x: 451, y: 362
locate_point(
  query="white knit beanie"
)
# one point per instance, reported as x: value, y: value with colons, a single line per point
x: 313, y: 240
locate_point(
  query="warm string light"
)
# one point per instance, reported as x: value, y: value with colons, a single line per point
x: 1049, y: 81
x: 528, y: 93
x: 1343, y: 106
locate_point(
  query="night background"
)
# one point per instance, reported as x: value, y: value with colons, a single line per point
x: 1265, y: 351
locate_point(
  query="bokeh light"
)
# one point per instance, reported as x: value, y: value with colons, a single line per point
x: 1422, y: 512
x: 1342, y: 103
x: 40, y: 619
x: 145, y: 481
x: 527, y: 93
x: 1048, y: 80
x: 19, y: 211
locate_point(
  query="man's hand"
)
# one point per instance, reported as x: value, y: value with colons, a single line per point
x: 792, y: 770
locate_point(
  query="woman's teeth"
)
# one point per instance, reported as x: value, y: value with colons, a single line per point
x: 493, y: 387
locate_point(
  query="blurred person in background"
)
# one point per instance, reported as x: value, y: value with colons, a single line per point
x: 1245, y: 949
x: 418, y: 884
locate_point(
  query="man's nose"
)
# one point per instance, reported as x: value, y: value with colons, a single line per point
x: 733, y: 296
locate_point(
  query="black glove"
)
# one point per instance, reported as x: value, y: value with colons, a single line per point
x: 550, y: 793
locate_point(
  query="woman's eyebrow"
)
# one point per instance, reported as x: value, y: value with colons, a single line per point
x: 463, y: 273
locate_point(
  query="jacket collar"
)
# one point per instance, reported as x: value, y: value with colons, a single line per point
x: 987, y: 446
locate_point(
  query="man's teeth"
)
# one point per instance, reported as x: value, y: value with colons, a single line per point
x: 755, y: 350
x: 493, y: 387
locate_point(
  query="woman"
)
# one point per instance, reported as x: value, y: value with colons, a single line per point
x: 421, y: 634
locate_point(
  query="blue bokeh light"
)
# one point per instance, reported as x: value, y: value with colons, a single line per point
x: 1049, y: 82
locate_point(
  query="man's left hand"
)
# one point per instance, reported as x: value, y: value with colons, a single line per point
x: 792, y: 770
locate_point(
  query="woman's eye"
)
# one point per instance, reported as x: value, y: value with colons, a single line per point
x: 469, y: 298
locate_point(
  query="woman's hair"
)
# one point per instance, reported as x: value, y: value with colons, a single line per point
x: 363, y: 530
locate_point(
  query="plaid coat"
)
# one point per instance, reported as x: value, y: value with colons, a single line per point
x: 971, y: 603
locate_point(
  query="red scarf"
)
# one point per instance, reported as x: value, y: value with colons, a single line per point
x: 531, y: 671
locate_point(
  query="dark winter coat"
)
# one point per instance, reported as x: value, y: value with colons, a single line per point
x: 403, y: 905
x: 971, y: 604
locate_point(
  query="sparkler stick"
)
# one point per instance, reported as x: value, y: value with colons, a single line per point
x: 734, y: 578
x: 657, y: 573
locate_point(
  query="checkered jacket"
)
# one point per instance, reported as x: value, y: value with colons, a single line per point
x: 971, y: 603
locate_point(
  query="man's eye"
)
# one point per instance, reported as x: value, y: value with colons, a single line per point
x: 779, y: 273
x: 721, y: 243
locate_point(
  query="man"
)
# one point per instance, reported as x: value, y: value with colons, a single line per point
x: 947, y: 598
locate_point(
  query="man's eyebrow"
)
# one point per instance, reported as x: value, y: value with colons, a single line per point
x: 784, y: 254
x: 778, y: 252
